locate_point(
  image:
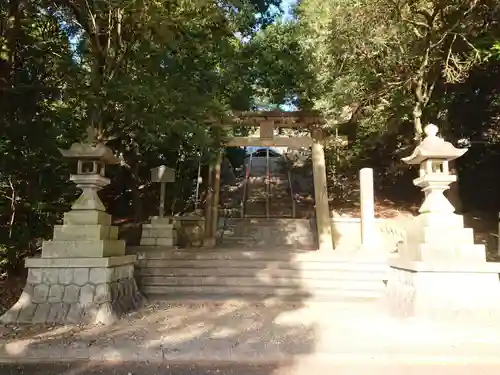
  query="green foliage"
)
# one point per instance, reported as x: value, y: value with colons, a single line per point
x: 280, y: 66
x: 140, y: 76
x: 144, y: 76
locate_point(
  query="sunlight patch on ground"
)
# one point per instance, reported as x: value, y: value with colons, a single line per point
x: 17, y: 348
x: 270, y: 328
x: 294, y: 317
x: 223, y: 332
x: 113, y: 355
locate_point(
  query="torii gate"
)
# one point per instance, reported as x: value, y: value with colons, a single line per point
x: 268, y: 121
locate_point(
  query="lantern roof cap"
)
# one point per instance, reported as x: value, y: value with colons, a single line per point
x: 433, y: 147
x: 86, y: 151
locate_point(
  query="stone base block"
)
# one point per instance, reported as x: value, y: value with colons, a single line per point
x: 159, y: 233
x: 79, y: 291
x: 434, y: 220
x: 468, y: 293
x: 151, y: 241
x: 160, y: 221
x: 87, y: 217
x: 441, y: 254
x: 85, y: 232
x: 83, y: 248
x: 150, y: 230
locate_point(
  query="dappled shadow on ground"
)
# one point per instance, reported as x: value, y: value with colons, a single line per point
x: 284, y: 337
x: 244, y: 328
x: 210, y: 330
x: 265, y: 324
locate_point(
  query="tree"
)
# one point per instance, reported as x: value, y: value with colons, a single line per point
x: 142, y: 75
x: 374, y: 53
x: 34, y: 64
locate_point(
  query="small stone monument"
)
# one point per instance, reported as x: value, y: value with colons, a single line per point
x: 83, y: 274
x: 163, y: 175
x: 161, y: 230
x: 370, y: 234
x: 439, y: 271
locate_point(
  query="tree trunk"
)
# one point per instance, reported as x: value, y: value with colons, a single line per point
x: 417, y: 120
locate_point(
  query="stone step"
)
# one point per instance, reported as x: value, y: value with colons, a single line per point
x: 234, y: 242
x: 279, y: 192
x: 281, y: 207
x: 255, y: 282
x: 256, y: 189
x: 267, y: 222
x: 340, y: 297
x: 282, y: 213
x: 260, y: 264
x: 320, y: 274
x: 263, y: 291
x: 284, y: 204
x: 236, y: 239
x: 263, y: 183
x: 252, y: 231
x: 259, y: 245
x: 285, y: 201
x: 256, y: 199
x: 151, y: 241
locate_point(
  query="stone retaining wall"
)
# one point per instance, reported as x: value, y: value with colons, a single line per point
x: 346, y: 231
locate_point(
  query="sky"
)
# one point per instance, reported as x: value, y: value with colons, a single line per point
x: 287, y: 5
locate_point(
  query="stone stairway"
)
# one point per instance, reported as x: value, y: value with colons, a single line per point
x: 280, y: 204
x: 228, y: 273
x: 280, y: 199
x: 255, y: 202
x: 258, y: 257
x: 262, y: 233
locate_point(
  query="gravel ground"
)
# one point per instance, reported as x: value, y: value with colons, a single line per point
x: 250, y: 332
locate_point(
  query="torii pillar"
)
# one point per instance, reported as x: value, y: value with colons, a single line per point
x: 212, y: 203
x: 323, y: 224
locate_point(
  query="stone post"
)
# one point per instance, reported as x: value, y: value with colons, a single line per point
x: 160, y: 233
x: 83, y: 274
x: 208, y: 204
x: 439, y: 272
x: 369, y: 234
x: 162, y: 175
x: 324, y: 228
x: 212, y: 217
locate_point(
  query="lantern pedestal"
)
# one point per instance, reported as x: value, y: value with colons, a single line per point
x: 83, y: 275
x: 439, y: 272
x: 465, y: 293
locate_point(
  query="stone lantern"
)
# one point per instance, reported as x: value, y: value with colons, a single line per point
x: 83, y: 274
x: 433, y: 155
x: 90, y: 175
x: 439, y: 272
